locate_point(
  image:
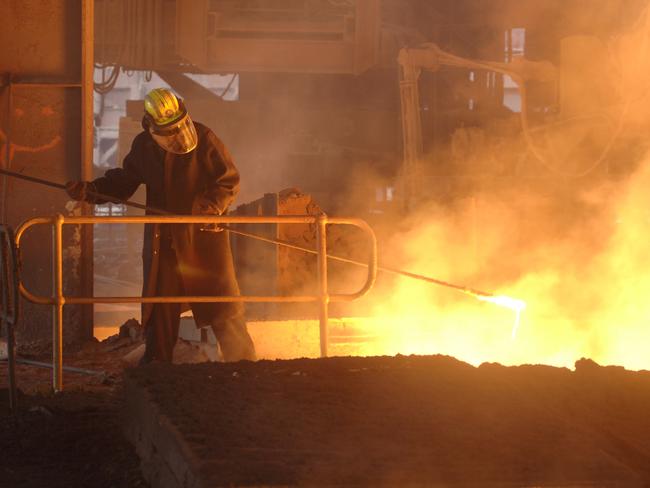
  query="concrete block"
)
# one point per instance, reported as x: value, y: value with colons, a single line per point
x: 167, y: 461
x: 188, y: 330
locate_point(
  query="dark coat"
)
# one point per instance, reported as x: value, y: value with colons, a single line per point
x: 174, y: 183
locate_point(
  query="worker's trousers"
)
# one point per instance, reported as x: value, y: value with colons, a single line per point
x: 161, y: 330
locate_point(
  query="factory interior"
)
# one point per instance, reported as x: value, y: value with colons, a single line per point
x: 324, y: 243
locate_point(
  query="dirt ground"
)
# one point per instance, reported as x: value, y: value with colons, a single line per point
x: 379, y: 421
x: 72, y: 439
x: 409, y: 421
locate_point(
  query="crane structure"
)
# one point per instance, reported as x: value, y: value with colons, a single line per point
x: 429, y: 57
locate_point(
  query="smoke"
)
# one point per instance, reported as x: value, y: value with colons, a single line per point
x: 556, y: 218
x: 571, y: 242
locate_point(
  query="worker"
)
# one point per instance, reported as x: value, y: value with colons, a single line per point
x: 186, y: 170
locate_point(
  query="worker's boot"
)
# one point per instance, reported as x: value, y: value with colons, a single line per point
x: 159, y: 346
x: 234, y: 341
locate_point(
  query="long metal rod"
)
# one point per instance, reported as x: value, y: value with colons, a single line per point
x: 32, y: 179
x: 61, y: 186
x: 71, y: 369
x: 29, y: 84
x: 194, y: 219
x: 386, y: 269
x: 172, y: 299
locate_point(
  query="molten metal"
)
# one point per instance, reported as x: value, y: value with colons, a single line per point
x: 512, y: 303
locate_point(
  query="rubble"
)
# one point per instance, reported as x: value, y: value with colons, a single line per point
x: 132, y: 329
x: 130, y: 333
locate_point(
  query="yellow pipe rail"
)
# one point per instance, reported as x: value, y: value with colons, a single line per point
x: 58, y: 299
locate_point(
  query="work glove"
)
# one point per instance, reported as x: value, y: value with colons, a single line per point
x: 205, y: 206
x: 79, y: 190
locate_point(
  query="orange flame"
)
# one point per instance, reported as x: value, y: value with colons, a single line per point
x: 513, y: 304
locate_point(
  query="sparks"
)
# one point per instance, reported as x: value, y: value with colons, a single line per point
x: 512, y: 303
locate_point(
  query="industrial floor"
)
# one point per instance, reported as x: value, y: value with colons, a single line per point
x: 72, y: 439
x: 404, y: 421
x: 350, y: 421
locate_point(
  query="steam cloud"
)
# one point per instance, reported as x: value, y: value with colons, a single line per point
x: 575, y: 248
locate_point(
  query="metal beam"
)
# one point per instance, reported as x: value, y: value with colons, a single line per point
x: 188, y: 88
x: 46, y: 130
x: 87, y: 123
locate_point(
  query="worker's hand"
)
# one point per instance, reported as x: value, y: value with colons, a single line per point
x: 205, y: 206
x: 211, y: 228
x: 78, y: 190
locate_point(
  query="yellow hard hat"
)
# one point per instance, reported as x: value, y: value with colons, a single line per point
x: 168, y: 121
x: 163, y: 106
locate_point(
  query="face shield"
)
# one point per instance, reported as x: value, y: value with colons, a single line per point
x: 178, y: 137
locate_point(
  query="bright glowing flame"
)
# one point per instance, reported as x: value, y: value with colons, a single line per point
x: 576, y: 250
x: 513, y: 304
x: 504, y: 301
x: 585, y: 288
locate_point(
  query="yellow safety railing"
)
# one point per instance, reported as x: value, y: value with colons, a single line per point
x: 58, y: 299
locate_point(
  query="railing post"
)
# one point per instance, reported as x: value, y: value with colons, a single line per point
x: 321, y: 235
x: 11, y: 361
x: 7, y: 273
x: 57, y: 307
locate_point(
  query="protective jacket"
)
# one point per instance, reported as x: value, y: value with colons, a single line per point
x: 175, y: 183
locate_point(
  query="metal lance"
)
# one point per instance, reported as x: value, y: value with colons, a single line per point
x: 508, y: 302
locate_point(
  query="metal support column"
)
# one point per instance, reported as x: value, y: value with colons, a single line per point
x: 409, y: 75
x: 46, y: 129
x: 323, y: 294
x: 10, y: 298
x: 87, y: 274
